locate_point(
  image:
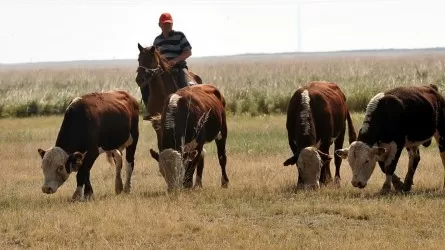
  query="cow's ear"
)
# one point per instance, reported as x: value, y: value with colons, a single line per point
x: 140, y: 47
x: 378, y: 151
x: 290, y: 161
x: 317, y: 145
x: 154, y: 154
x: 325, y: 158
x: 75, y: 160
x: 343, y: 153
x: 41, y: 152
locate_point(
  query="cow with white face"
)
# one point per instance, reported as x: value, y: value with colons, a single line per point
x: 192, y: 117
x: 57, y: 166
x: 403, y: 117
x: 309, y: 164
x: 93, y: 124
x: 316, y: 117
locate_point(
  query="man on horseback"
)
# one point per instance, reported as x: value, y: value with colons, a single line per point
x: 175, y: 47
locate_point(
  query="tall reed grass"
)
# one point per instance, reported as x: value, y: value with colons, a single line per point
x: 251, y: 84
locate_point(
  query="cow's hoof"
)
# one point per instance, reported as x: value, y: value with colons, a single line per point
x: 224, y: 183
x: 385, y: 190
x: 406, y: 187
x: 118, y: 187
x: 127, y: 189
x: 337, y: 182
x: 89, y: 197
x: 77, y: 196
x: 198, y: 184
x: 398, y: 185
x: 188, y: 184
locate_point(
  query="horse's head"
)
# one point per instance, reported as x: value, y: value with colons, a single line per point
x: 151, y: 63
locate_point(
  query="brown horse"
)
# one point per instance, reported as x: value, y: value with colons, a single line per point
x: 156, y: 76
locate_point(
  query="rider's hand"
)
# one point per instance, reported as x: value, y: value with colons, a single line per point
x: 172, y: 62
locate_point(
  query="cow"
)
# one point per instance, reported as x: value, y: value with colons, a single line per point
x: 316, y: 117
x: 93, y: 124
x: 402, y: 117
x: 191, y: 117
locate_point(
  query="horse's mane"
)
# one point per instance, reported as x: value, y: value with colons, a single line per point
x: 162, y: 59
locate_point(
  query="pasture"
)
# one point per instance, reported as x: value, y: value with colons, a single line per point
x: 260, y: 209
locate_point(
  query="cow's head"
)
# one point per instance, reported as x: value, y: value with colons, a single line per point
x: 57, y: 166
x: 309, y: 163
x: 362, y: 159
x: 172, y: 166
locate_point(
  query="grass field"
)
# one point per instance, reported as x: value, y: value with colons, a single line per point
x: 260, y: 209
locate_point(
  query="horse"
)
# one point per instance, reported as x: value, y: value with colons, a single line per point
x: 156, y: 76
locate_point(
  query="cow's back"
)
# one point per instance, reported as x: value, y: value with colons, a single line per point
x: 328, y: 110
x: 410, y: 112
x: 199, y: 107
x: 98, y: 120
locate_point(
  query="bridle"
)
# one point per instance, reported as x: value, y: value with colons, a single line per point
x: 149, y: 73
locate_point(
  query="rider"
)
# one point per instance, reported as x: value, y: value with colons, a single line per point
x: 175, y: 47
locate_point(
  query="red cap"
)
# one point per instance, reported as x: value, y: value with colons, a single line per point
x: 165, y: 18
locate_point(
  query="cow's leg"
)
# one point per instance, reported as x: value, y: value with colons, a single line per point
x: 414, y: 158
x: 396, y: 182
x: 118, y: 186
x: 338, y: 144
x: 440, y: 139
x: 199, y: 170
x: 390, y: 167
x: 325, y: 175
x: 88, y: 190
x: 83, y: 176
x: 222, y: 157
x: 130, y: 152
x: 189, y: 171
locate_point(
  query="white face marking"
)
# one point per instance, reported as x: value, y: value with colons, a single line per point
x: 172, y: 168
x: 370, y: 108
x: 309, y: 166
x: 170, y: 115
x: 53, y: 166
x: 362, y: 160
x: 305, y: 113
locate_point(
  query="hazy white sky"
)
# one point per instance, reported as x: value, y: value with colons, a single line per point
x: 50, y: 30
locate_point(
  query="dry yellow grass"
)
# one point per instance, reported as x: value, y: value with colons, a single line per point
x: 260, y: 209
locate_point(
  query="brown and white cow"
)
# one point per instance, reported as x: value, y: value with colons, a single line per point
x: 93, y: 123
x: 316, y: 116
x: 192, y: 117
x: 403, y: 117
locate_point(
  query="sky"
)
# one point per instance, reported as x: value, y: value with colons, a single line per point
x: 62, y: 30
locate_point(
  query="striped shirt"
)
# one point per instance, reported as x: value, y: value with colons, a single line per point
x: 173, y: 45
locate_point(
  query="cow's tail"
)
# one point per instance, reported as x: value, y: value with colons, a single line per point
x: 351, y: 130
